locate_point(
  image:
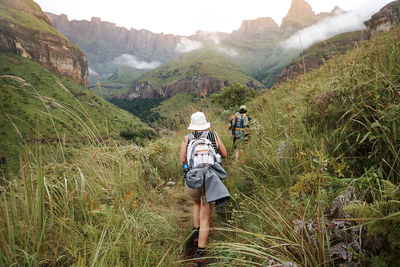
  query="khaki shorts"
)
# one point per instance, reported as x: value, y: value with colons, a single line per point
x: 196, y: 194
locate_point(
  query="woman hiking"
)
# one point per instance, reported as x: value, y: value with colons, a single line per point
x: 198, y: 160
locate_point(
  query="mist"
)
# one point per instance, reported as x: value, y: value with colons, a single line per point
x: 186, y: 45
x: 132, y: 61
x: 347, y: 22
x: 214, y: 38
x: 228, y: 51
x: 93, y: 72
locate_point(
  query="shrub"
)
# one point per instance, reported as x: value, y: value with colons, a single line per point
x: 233, y: 96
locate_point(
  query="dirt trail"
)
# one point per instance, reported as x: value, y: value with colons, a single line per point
x: 178, y: 203
x: 180, y: 206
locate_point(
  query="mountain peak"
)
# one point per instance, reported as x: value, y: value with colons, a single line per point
x: 300, y: 15
x: 256, y: 28
x: 337, y: 11
x: 299, y: 9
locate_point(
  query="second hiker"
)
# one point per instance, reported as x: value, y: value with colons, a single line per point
x: 239, y: 125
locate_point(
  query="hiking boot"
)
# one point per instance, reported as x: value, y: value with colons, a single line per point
x: 196, y: 237
x: 199, y: 257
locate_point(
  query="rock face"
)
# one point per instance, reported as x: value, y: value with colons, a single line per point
x: 199, y: 84
x: 143, y: 43
x: 48, y: 48
x: 299, y: 13
x: 299, y: 9
x: 385, y: 20
x: 103, y: 42
x: 253, y: 29
x: 293, y: 70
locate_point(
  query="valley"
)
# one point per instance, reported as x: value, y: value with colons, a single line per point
x: 93, y: 120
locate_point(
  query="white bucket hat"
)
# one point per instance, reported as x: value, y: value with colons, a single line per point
x: 198, y: 122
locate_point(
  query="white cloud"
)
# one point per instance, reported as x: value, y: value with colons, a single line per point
x: 93, y: 72
x: 215, y: 39
x: 132, y: 61
x: 186, y: 45
x: 210, y: 36
x: 347, y: 22
x: 228, y: 51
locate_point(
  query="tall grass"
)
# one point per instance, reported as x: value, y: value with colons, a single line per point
x: 102, y: 204
x: 313, y: 137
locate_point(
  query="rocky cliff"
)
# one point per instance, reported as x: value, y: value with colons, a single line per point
x: 26, y: 32
x: 253, y: 29
x: 103, y: 42
x: 386, y: 19
x: 300, y: 13
x: 253, y: 47
x: 199, y: 84
x: 298, y: 68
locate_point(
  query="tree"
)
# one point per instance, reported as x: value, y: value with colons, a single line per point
x: 234, y: 95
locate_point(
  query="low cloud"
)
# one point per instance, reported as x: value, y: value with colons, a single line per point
x: 346, y: 22
x: 93, y: 72
x: 228, y: 51
x: 211, y: 36
x: 186, y: 45
x: 132, y: 61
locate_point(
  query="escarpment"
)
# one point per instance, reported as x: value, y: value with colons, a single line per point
x: 31, y: 35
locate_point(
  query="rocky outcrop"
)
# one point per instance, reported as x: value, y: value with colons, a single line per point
x: 385, y: 20
x: 253, y: 29
x: 48, y: 48
x: 199, y: 84
x: 299, y: 9
x: 299, y: 13
x: 293, y: 70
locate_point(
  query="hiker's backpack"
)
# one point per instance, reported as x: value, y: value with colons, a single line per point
x: 200, y: 150
x: 239, y: 121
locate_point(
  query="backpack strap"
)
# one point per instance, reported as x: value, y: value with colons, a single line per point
x: 190, y: 137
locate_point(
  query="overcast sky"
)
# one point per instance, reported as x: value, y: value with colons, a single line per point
x: 185, y: 17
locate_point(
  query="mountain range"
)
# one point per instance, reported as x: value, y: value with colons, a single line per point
x: 255, y: 48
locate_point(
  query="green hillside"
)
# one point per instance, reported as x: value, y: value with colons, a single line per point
x: 337, y: 45
x: 38, y: 106
x: 259, y: 55
x: 123, y: 76
x: 206, y: 61
x: 26, y: 19
x: 319, y: 177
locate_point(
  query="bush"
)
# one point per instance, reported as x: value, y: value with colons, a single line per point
x: 233, y: 96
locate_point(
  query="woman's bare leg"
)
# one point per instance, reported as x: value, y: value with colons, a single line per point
x: 196, y: 213
x: 205, y: 215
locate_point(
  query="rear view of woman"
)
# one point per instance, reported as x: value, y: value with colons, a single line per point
x: 202, y: 210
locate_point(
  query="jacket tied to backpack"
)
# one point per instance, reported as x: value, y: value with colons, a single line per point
x: 209, y: 176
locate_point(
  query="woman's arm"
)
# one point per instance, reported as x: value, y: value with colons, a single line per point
x: 221, y: 147
x: 182, y: 156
